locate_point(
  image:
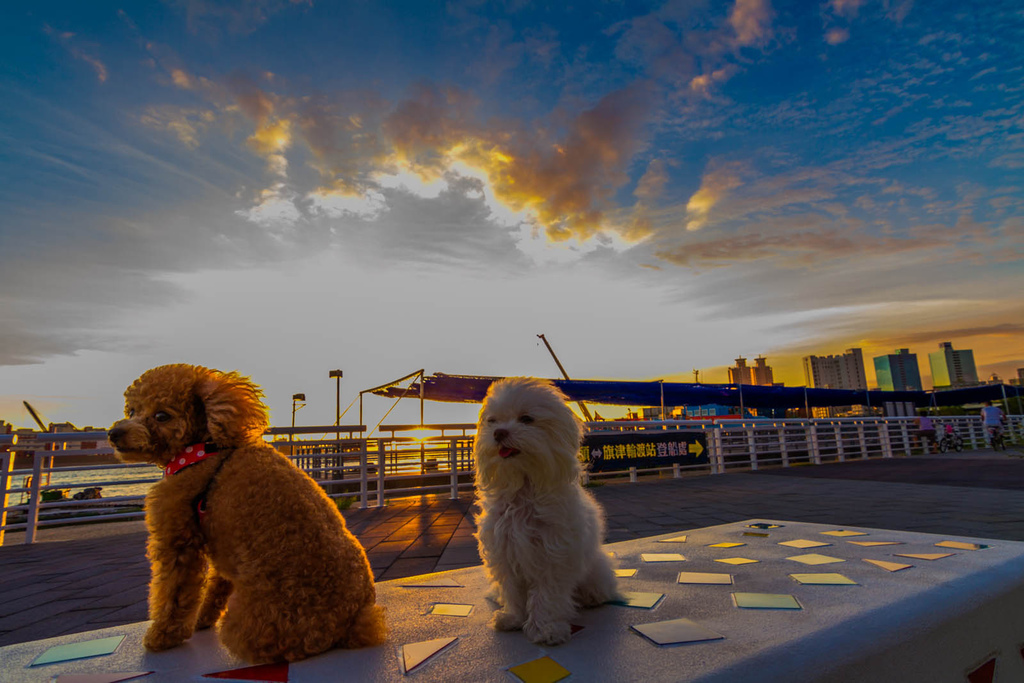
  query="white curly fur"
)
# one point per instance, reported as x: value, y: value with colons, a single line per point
x: 539, y: 532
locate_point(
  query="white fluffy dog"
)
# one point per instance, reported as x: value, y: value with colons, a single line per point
x: 539, y: 532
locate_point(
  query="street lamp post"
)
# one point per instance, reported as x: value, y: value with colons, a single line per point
x: 295, y: 399
x: 337, y: 374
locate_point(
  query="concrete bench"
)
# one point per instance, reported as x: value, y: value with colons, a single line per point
x: 938, y: 620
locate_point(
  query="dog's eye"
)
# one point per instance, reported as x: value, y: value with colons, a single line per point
x: 131, y: 412
x: 491, y: 420
x: 526, y: 420
x: 161, y: 416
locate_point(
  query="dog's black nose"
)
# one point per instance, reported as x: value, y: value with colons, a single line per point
x: 115, y: 433
x: 500, y: 434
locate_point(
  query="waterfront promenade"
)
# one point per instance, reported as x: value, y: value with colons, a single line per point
x: 83, y: 578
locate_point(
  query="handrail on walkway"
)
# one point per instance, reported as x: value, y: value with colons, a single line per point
x: 72, y: 477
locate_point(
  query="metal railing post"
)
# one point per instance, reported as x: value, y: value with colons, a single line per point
x: 978, y: 434
x: 33, y: 498
x: 6, y: 465
x: 840, y: 451
x: 676, y: 474
x: 632, y: 475
x: 862, y: 443
x: 815, y: 447
x: 364, y: 489
x: 380, y: 472
x: 905, y: 435
x: 883, y: 433
x: 783, y: 451
x: 453, y: 466
x: 719, y: 450
x: 752, y: 448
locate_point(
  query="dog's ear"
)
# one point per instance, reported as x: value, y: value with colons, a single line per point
x: 235, y: 413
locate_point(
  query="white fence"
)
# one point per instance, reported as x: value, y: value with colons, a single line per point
x: 365, y: 471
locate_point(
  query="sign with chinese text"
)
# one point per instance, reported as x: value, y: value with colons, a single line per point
x: 643, y: 449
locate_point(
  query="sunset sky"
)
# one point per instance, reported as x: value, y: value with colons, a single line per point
x: 287, y: 187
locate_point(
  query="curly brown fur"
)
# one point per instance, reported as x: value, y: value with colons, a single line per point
x: 271, y: 560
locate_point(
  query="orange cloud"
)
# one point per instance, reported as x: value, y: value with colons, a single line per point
x: 716, y: 183
x: 837, y: 36
x: 751, y: 20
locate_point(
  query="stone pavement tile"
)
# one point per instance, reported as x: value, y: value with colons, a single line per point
x: 403, y: 567
x: 42, y: 612
x: 124, y: 597
x: 32, y: 601
x: 125, y: 615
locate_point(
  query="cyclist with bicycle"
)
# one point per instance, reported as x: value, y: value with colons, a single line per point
x: 993, y: 419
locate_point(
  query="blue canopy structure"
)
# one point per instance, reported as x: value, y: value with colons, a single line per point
x: 473, y: 388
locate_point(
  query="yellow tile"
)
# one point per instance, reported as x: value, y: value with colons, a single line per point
x: 543, y: 670
x: 925, y: 556
x: 871, y: 544
x: 803, y: 543
x: 736, y: 560
x: 450, y: 610
x: 726, y: 545
x: 824, y: 579
x: 889, y: 566
x: 662, y: 557
x: 959, y: 545
x: 814, y: 558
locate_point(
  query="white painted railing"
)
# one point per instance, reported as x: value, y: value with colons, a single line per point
x: 365, y: 471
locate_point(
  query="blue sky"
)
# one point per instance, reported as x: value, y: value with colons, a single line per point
x: 283, y: 188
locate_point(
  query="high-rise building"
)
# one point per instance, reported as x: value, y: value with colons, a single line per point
x: 759, y: 375
x: 836, y: 372
x: 763, y: 375
x: 898, y: 371
x: 952, y: 368
x: 741, y: 373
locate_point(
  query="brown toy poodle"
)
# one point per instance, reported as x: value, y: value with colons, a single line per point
x: 235, y: 524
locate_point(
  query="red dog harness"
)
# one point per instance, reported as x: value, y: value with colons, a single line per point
x: 193, y: 454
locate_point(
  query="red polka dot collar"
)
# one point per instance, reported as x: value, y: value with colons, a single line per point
x: 190, y: 456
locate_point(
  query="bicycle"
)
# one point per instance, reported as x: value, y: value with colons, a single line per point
x: 951, y: 441
x: 996, y: 438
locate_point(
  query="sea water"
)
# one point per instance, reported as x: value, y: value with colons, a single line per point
x: 130, y: 481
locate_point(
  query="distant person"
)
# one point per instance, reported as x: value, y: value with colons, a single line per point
x: 993, y: 419
x: 926, y: 433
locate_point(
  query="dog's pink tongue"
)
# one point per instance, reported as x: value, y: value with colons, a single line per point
x: 505, y: 451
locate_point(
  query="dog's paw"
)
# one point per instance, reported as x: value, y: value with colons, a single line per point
x: 158, y: 639
x: 550, y: 633
x: 506, y: 621
x: 207, y: 620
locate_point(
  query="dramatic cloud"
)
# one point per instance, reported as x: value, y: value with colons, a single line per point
x: 751, y: 20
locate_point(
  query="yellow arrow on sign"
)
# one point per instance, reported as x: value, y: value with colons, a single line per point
x: 695, y: 449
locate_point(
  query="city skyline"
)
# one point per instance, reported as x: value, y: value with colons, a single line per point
x: 285, y: 187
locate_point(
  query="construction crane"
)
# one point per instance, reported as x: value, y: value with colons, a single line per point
x: 35, y: 416
x: 586, y: 413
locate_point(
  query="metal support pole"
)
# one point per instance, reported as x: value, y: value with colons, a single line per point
x: 33, y: 499
x: 838, y: 427
x: 782, y: 445
x: 815, y: 447
x: 6, y: 465
x: 453, y: 467
x: 380, y: 473
x: 752, y: 447
x: 364, y: 489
